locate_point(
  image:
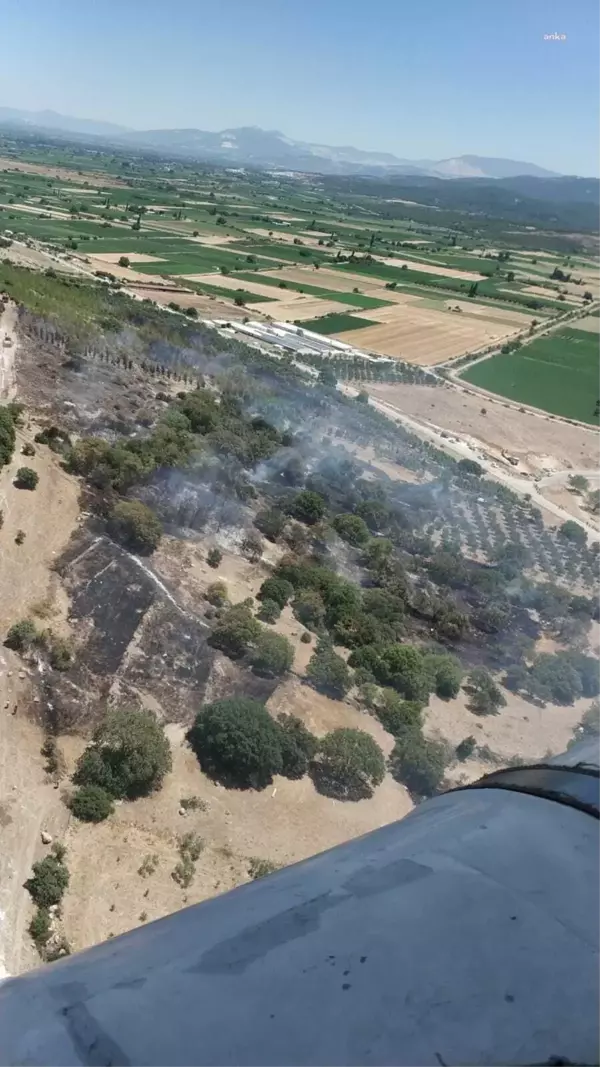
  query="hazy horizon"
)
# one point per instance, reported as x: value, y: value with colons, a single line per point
x: 428, y: 83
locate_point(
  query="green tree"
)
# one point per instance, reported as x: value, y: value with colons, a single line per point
x: 277, y: 589
x: 349, y: 765
x: 272, y: 654
x: 298, y: 746
x: 418, y: 763
x: 351, y: 528
x: 135, y: 525
x: 401, y: 666
x: 40, y: 928
x: 465, y: 748
x: 129, y: 755
x: 555, y: 678
x: 48, y: 882
x: 236, y: 631
x: 573, y: 532
x: 328, y: 672
x: 7, y: 434
x: 26, y: 478
x: 91, y: 803
x: 238, y: 743
x: 486, y: 698
x: 470, y: 466
x: 578, y: 483
x: 123, y: 261
x: 308, y: 507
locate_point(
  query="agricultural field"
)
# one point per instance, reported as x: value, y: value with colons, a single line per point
x: 214, y: 242
x: 558, y: 373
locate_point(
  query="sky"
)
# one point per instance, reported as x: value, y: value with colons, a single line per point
x: 419, y: 78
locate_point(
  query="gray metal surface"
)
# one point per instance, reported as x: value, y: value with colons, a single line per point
x: 466, y: 933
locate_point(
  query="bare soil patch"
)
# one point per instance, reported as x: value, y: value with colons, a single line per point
x: 432, y: 268
x: 528, y: 436
x: 133, y: 257
x: 62, y: 173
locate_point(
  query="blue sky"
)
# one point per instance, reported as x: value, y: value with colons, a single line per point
x: 420, y: 78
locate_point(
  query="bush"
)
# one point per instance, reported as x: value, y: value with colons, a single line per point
x: 135, y: 525
x: 446, y: 674
x: 26, y: 478
x: 270, y: 522
x: 123, y: 261
x: 418, y: 763
x: 298, y: 746
x: 236, y: 631
x: 308, y: 507
x: 573, y: 532
x: 129, y: 755
x: 351, y: 528
x: 465, y: 748
x: 40, y: 928
x: 59, y: 654
x: 309, y: 609
x: 401, y: 666
x: 269, y: 611
x: 214, y: 557
x: 272, y: 655
x: 91, y: 803
x: 28, y: 449
x: 216, y: 594
x: 237, y: 742
x: 349, y: 765
x: 48, y: 883
x: 7, y: 434
x: 21, y: 635
x: 397, y: 715
x: 277, y: 589
x: 328, y: 672
x: 486, y: 697
x: 258, y: 868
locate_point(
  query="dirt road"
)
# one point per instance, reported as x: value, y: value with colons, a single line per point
x: 8, y: 344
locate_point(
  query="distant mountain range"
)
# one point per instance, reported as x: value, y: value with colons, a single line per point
x: 266, y: 149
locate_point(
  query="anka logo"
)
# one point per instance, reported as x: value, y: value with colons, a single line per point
x: 555, y: 36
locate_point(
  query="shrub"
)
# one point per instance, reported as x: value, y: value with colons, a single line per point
x: 19, y: 537
x: 7, y: 434
x: 40, y: 928
x: 216, y: 594
x: 214, y: 557
x: 91, y: 803
x: 129, y: 755
x: 48, y: 882
x: 465, y: 748
x: 351, y: 528
x: 349, y: 765
x: 308, y: 507
x: 258, y: 868
x: 123, y: 261
x: 272, y: 655
x: 305, y: 637
x: 237, y: 742
x: 573, y: 532
x: 28, y: 449
x: 21, y: 635
x: 446, y: 674
x: 309, y: 609
x: 277, y: 589
x: 269, y: 611
x: 60, y: 655
x: 236, y: 631
x: 26, y: 478
x: 328, y: 672
x: 418, y: 763
x: 401, y: 666
x: 270, y: 522
x: 397, y: 715
x: 486, y: 697
x: 298, y: 746
x: 135, y: 525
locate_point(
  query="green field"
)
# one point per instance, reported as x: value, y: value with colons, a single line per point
x: 335, y: 323
x: 558, y: 373
x: 354, y: 299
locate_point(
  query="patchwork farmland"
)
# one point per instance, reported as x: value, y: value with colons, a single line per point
x: 558, y: 372
x: 231, y: 246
